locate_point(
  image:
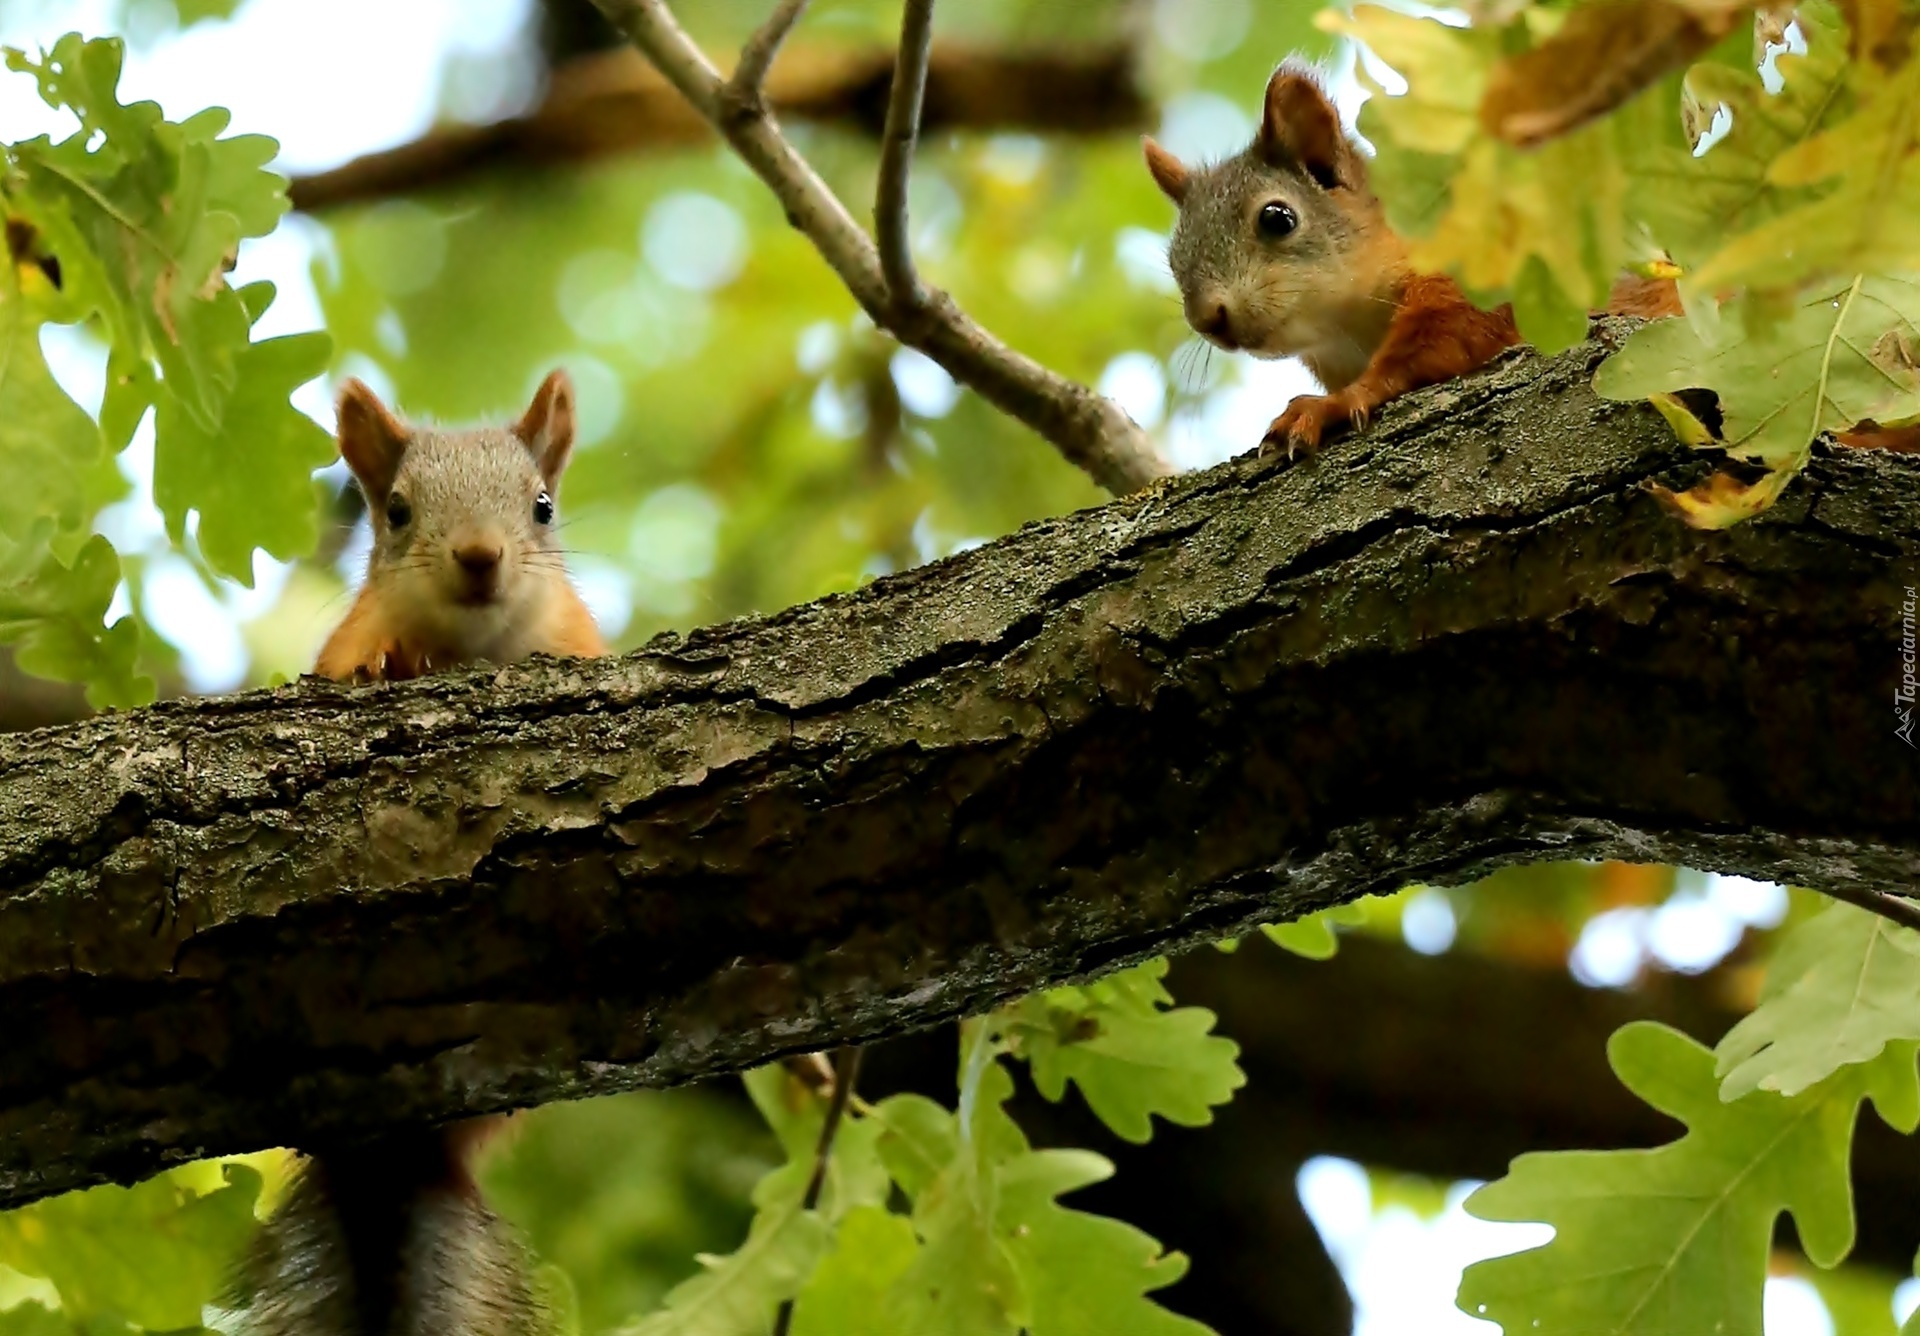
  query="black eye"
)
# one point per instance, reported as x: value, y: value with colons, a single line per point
x: 398, y: 512
x: 1276, y: 220
x: 543, y: 509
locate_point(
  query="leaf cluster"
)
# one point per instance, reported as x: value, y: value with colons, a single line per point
x: 1770, y: 161
x: 128, y: 226
x: 937, y: 1219
x: 1678, y: 1239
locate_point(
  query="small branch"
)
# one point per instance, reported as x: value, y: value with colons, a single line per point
x: 846, y: 1070
x: 1893, y: 908
x: 897, y: 144
x: 756, y: 57
x: 1091, y: 430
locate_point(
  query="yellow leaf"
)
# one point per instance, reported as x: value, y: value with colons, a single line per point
x: 1865, y: 223
x: 1689, y: 429
x: 1723, y: 500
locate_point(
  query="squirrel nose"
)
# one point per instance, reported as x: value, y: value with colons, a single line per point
x: 478, y: 560
x: 1216, y: 324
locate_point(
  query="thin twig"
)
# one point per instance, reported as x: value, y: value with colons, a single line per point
x: 1089, y: 429
x: 1894, y: 908
x: 846, y: 1070
x: 756, y: 57
x: 897, y: 143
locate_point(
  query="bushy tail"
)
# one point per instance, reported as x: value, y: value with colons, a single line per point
x: 390, y: 1238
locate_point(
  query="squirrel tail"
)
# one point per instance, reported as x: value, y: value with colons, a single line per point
x: 390, y: 1238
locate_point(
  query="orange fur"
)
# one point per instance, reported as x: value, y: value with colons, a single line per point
x: 1649, y: 298
x: 1436, y: 334
x: 369, y: 644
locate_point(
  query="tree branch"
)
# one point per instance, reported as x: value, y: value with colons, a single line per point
x: 614, y: 102
x: 1089, y: 429
x: 1893, y: 908
x: 756, y: 57
x: 846, y: 1070
x: 1467, y: 638
x: 897, y: 143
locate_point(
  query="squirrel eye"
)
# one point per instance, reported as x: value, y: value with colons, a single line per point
x: 543, y: 509
x: 398, y: 512
x: 1276, y: 220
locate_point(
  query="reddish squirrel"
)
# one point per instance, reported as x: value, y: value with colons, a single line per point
x: 390, y: 1237
x: 1283, y: 251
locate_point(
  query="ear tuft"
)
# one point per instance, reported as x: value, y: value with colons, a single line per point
x: 1169, y: 173
x: 372, y: 440
x: 1300, y: 127
x: 547, y: 427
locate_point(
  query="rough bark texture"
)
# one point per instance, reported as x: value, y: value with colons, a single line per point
x: 1469, y: 638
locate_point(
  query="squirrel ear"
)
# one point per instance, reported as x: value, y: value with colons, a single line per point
x: 1301, y: 128
x: 372, y: 439
x: 1169, y: 173
x: 547, y: 427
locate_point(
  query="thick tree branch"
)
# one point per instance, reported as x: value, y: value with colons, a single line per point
x: 1470, y: 637
x: 1089, y: 429
x: 897, y: 144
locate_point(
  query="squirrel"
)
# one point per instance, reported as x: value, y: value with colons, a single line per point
x: 464, y: 565
x: 1284, y: 251
x: 390, y: 1237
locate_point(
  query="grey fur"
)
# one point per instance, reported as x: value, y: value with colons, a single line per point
x: 1294, y: 295
x: 463, y: 1273
x: 468, y: 487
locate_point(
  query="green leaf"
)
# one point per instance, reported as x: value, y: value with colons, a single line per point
x: 1085, y: 1275
x: 848, y: 1293
x: 961, y: 1281
x: 130, y: 392
x: 739, y: 1293
x: 1840, y: 988
x: 1548, y: 318
x: 1845, y: 355
x: 47, y: 441
x: 999, y: 1254
x: 151, y: 1255
x: 1695, y: 204
x: 32, y: 1319
x: 1864, y: 176
x: 1313, y: 936
x: 251, y: 480
x: 1130, y: 1058
x: 145, y: 216
x: 54, y: 612
x: 796, y: 1112
x: 1548, y: 227
x: 1674, y: 1241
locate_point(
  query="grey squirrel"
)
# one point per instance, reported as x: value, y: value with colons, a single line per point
x: 1284, y: 251
x: 390, y: 1237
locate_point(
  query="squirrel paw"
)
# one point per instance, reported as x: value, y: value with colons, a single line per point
x: 393, y: 663
x: 1309, y: 417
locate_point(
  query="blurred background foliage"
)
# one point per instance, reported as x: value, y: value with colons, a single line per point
x: 749, y: 442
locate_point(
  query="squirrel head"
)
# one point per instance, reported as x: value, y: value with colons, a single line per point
x: 464, y: 550
x: 1282, y: 250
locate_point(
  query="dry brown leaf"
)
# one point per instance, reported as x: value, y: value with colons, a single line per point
x: 1602, y: 55
x: 1870, y: 435
x: 1882, y: 30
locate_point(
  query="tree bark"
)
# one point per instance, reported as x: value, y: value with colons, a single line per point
x: 1467, y: 639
